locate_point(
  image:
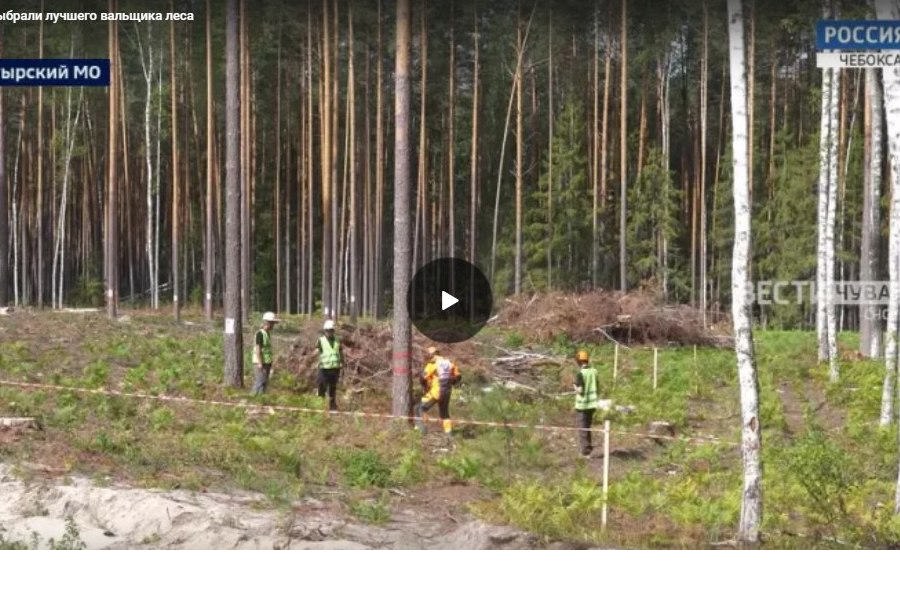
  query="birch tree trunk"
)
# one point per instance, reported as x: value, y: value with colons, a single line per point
x: 233, y: 333
x: 825, y: 146
x: 751, y: 439
x: 870, y: 323
x: 831, y: 337
x: 147, y: 69
x: 401, y: 325
x: 59, y: 250
x: 886, y: 9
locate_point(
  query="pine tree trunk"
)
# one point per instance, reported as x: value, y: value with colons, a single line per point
x: 233, y: 333
x: 379, y: 172
x: 335, y: 99
x: 208, y: 246
x: 704, y: 94
x: 520, y: 140
x: 595, y: 180
x: 451, y: 144
x: 176, y: 190
x: 473, y: 164
x: 244, y: 162
x: 509, y: 107
x: 420, y: 242
x: 401, y: 325
x: 351, y: 126
x: 873, y: 111
x: 751, y: 438
x: 623, y: 152
x: 39, y: 215
x: 276, y: 201
x: 550, y: 117
x: 112, y: 238
x: 604, y: 126
x: 4, y: 214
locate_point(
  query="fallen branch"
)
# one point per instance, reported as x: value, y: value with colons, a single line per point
x: 25, y: 422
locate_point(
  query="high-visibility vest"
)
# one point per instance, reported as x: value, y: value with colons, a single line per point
x: 265, y: 350
x: 587, y: 399
x: 329, y: 355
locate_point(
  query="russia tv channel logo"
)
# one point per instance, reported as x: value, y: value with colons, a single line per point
x: 857, y: 44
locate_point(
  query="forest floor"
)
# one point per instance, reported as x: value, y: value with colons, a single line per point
x: 150, y: 469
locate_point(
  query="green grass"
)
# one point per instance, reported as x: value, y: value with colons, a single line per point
x: 829, y: 469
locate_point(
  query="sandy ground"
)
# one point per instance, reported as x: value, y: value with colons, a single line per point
x: 122, y: 517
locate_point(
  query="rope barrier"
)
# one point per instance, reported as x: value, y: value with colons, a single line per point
x: 355, y: 414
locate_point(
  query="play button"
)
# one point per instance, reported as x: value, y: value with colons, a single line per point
x: 449, y: 300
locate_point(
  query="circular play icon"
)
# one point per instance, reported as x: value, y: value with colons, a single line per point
x: 449, y: 300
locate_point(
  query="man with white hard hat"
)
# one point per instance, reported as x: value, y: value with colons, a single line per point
x: 331, y: 358
x: 262, y: 353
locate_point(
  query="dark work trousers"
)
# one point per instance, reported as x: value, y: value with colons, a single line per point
x: 328, y: 379
x: 261, y: 382
x: 583, y: 420
x: 443, y: 404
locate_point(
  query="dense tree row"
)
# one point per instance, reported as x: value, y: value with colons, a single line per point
x: 533, y: 91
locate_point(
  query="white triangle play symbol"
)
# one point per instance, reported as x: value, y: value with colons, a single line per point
x: 447, y: 300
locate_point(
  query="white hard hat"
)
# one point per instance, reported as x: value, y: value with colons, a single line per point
x: 329, y: 324
x: 270, y: 317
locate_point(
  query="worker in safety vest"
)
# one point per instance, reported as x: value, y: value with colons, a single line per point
x: 330, y: 361
x: 262, y: 353
x: 438, y: 378
x: 586, y: 401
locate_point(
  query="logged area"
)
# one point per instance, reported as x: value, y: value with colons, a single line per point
x: 119, y: 454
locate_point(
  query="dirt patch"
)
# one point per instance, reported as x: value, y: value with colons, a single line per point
x: 634, y: 318
x: 126, y: 517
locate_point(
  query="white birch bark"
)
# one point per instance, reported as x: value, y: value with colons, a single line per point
x: 751, y: 439
x: 830, y: 322
x: 147, y: 68
x: 822, y: 213
x: 59, y: 250
x: 887, y: 9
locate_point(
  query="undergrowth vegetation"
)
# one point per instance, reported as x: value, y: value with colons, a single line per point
x: 829, y: 469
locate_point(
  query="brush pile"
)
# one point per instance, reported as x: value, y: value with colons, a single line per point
x: 634, y: 318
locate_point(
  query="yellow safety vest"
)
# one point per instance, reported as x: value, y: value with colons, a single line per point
x: 329, y: 355
x: 587, y: 399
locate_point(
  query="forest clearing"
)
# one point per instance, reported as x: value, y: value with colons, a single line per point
x: 549, y: 220
x: 829, y: 475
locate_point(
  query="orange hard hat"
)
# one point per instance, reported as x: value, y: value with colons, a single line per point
x: 582, y: 356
